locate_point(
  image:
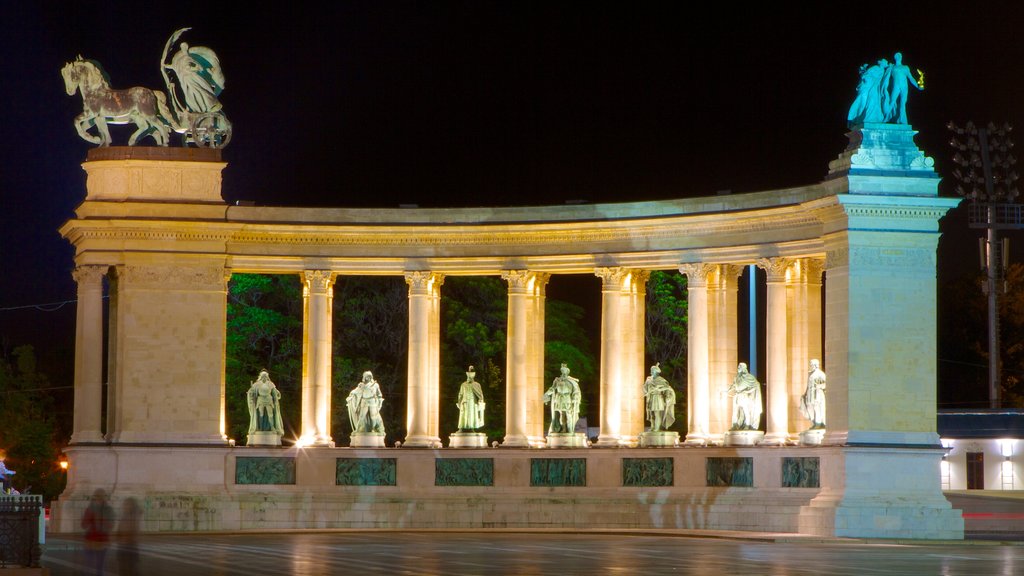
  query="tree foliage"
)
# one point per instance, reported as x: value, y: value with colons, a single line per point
x: 963, y: 341
x: 264, y: 332
x: 29, y: 433
x: 666, y: 328
x: 371, y: 332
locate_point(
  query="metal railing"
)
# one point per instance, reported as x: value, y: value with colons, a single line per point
x: 1004, y: 217
x: 21, y: 526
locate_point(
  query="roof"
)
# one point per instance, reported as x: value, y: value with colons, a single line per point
x: 981, y: 424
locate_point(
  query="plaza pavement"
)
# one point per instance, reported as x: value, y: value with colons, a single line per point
x: 501, y: 553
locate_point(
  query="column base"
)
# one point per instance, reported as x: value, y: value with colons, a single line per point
x: 603, y: 440
x: 515, y: 441
x: 882, y: 493
x: 87, y: 437
x: 421, y: 442
x: 812, y: 437
x: 696, y: 439
x: 744, y: 437
x: 366, y: 440
x: 662, y: 439
x: 567, y: 440
x: 263, y: 439
x: 537, y: 441
x: 774, y: 439
x: 629, y: 441
x: 467, y: 440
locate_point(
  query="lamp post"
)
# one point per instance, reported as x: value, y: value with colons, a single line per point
x: 986, y: 175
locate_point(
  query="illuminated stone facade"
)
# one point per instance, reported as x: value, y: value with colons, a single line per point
x: 168, y: 244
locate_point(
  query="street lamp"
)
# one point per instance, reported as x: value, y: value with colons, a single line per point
x: 987, y: 179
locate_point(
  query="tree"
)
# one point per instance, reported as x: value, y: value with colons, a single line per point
x: 371, y: 332
x: 28, y: 435
x: 666, y: 328
x: 264, y: 331
x: 963, y: 341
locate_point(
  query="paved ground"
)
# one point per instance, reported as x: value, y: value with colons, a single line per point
x: 499, y: 554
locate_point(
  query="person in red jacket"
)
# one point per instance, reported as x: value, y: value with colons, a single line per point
x: 97, y: 523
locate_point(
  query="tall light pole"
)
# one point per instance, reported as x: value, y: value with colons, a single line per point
x: 986, y: 175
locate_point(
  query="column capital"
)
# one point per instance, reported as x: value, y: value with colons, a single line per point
x: 423, y: 282
x: 619, y: 279
x: 525, y: 281
x: 775, y: 267
x: 696, y: 274
x: 811, y: 270
x: 318, y: 281
x: 89, y: 275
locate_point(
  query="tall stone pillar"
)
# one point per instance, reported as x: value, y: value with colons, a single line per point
x: 620, y: 359
x: 424, y: 359
x: 880, y: 233
x: 723, y: 337
x: 517, y: 391
x: 166, y: 366
x: 697, y: 352
x: 804, y: 307
x: 777, y: 377
x: 535, y: 359
x: 633, y: 370
x: 88, y: 355
x: 318, y: 300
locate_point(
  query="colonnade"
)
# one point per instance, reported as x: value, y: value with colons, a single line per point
x: 793, y: 338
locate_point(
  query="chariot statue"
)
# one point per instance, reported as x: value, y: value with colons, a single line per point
x: 195, y: 110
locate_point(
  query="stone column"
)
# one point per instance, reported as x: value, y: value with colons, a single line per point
x: 88, y: 355
x: 517, y: 345
x: 318, y: 298
x: 776, y: 379
x: 424, y: 359
x: 535, y: 361
x: 724, y: 354
x: 633, y: 370
x: 804, y: 301
x: 697, y: 352
x: 614, y: 352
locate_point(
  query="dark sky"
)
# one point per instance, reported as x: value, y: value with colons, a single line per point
x: 483, y: 103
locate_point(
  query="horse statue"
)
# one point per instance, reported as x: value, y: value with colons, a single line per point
x: 145, y: 108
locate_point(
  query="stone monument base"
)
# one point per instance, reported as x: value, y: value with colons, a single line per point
x: 567, y: 440
x: 661, y: 439
x: 263, y: 439
x: 367, y: 440
x: 743, y: 437
x: 467, y: 440
x: 812, y: 437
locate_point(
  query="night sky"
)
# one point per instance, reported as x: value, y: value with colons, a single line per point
x: 481, y: 103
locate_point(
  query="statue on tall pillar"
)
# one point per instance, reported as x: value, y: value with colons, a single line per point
x: 882, y: 93
x: 265, y: 424
x: 564, y: 398
x: 195, y: 110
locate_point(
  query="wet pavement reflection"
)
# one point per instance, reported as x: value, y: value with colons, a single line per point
x: 519, y: 554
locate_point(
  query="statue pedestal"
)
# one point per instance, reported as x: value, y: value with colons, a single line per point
x: 743, y: 437
x: 467, y: 440
x: 567, y: 440
x: 812, y: 437
x: 662, y: 439
x: 263, y: 439
x: 367, y: 440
